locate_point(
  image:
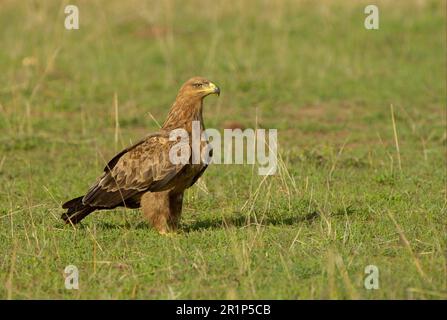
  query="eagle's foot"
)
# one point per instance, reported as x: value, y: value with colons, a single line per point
x: 167, y: 233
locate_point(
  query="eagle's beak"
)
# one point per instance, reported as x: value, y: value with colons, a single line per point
x: 212, y: 88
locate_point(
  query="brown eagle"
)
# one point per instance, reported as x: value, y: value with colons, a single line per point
x: 143, y: 175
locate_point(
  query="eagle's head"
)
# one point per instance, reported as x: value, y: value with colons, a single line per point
x: 198, y: 87
x: 188, y: 104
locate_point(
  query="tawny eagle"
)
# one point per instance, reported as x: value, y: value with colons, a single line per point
x: 143, y: 175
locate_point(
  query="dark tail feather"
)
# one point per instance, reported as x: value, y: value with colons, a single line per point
x: 76, y: 211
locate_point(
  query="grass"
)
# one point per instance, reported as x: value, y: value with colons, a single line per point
x: 360, y: 182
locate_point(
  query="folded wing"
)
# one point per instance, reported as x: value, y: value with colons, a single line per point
x: 143, y: 167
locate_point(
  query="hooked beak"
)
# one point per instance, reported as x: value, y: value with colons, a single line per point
x: 213, y: 89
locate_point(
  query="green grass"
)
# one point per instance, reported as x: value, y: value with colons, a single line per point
x: 339, y: 202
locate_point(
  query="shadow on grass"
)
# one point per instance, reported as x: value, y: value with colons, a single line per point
x: 241, y: 220
x: 237, y: 220
x: 125, y: 226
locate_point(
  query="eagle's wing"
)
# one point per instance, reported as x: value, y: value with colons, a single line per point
x: 142, y: 167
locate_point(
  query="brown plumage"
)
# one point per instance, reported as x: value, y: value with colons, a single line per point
x: 143, y: 175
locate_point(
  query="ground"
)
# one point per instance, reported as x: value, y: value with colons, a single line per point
x: 354, y: 188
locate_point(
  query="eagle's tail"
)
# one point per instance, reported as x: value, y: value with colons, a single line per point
x: 76, y: 210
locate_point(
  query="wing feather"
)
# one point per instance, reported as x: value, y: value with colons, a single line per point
x: 144, y: 166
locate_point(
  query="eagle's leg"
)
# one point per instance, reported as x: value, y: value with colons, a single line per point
x: 162, y: 210
x: 175, y: 206
x: 155, y: 207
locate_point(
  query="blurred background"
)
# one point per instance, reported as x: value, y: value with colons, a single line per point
x: 70, y: 99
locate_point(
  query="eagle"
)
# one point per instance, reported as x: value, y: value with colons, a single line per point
x: 143, y: 174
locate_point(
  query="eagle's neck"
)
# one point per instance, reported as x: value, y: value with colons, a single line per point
x: 183, y: 112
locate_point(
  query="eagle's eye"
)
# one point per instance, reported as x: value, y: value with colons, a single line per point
x: 197, y: 85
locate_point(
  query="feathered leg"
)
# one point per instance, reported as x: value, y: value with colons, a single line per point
x: 175, y: 206
x: 162, y: 210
